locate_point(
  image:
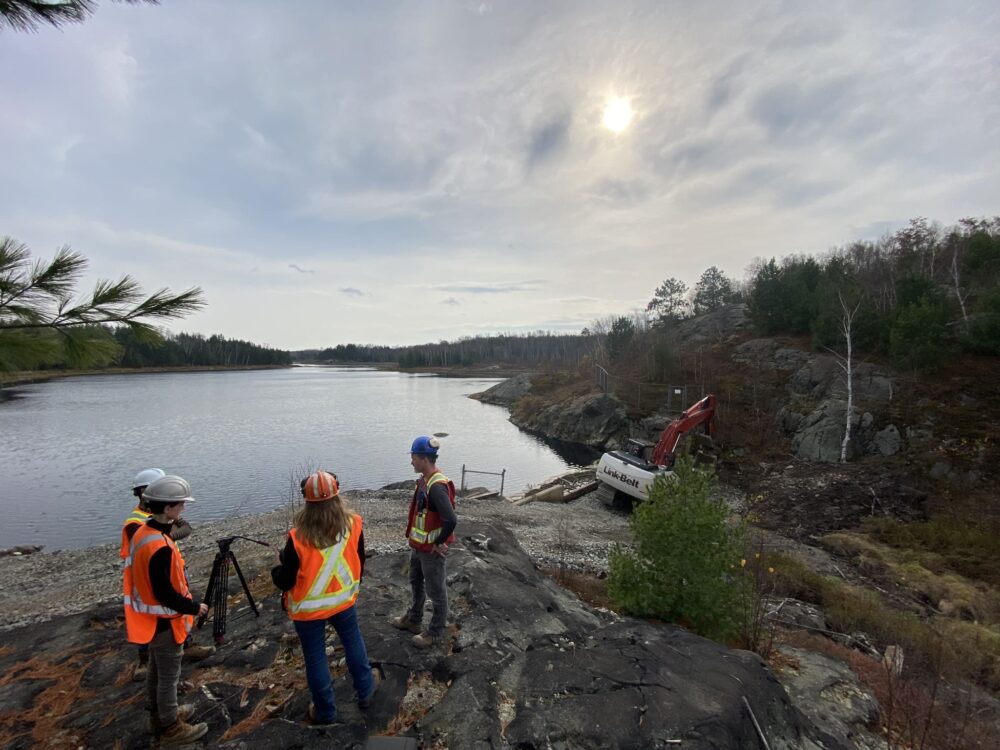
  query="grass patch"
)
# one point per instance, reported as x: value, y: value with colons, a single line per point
x: 589, y: 588
x: 923, y: 572
x: 954, y: 647
x: 965, y: 546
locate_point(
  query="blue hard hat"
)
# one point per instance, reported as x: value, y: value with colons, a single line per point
x: 425, y: 446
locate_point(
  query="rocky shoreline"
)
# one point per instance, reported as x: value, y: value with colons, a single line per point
x: 36, y: 588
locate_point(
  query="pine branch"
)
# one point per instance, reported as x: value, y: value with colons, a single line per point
x: 31, y: 15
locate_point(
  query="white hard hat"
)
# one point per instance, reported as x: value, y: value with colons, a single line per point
x: 168, y: 489
x: 147, y: 477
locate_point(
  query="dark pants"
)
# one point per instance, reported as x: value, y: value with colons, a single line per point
x: 427, y: 578
x: 162, y: 676
x: 312, y: 635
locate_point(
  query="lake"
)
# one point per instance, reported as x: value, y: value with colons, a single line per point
x: 70, y: 447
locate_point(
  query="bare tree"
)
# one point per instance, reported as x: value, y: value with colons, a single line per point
x: 846, y: 363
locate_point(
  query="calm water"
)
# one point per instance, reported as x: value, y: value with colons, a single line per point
x: 69, y: 448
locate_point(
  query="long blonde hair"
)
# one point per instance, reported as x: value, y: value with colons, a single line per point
x: 322, y: 524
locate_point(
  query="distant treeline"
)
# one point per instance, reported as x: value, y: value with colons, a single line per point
x: 529, y: 350
x: 191, y: 349
x: 918, y: 296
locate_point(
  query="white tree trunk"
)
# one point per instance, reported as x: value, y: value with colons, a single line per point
x: 958, y: 288
x: 845, y: 326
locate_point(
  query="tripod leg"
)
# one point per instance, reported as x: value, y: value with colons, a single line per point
x: 220, y: 601
x: 213, y: 582
x: 246, y: 588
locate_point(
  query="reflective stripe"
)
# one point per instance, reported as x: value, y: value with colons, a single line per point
x: 138, y: 605
x: 334, y: 566
x: 133, y: 548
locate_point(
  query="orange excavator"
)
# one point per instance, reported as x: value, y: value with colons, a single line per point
x: 625, y: 475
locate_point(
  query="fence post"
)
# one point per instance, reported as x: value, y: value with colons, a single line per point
x: 503, y: 474
x: 463, y: 478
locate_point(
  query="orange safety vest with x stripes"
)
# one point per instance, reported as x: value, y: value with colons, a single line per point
x: 328, y: 579
x: 424, y: 525
x: 137, y: 517
x: 142, y: 609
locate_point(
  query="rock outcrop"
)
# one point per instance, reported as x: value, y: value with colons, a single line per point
x: 507, y: 392
x: 596, y: 420
x: 525, y: 665
x: 816, y: 414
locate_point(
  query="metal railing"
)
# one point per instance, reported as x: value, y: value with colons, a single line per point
x: 676, y: 398
x: 502, y: 474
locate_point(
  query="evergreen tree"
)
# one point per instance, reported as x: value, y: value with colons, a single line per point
x: 713, y: 290
x: 668, y: 300
x: 40, y: 324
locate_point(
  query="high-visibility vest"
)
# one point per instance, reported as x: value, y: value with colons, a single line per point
x: 424, y: 525
x: 328, y: 579
x: 142, y: 609
x: 136, y: 518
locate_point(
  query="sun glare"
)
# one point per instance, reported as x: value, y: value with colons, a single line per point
x: 617, y: 114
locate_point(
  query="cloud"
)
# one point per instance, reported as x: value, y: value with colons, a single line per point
x: 295, y: 267
x: 523, y: 286
x: 548, y: 139
x: 450, y: 301
x: 350, y: 291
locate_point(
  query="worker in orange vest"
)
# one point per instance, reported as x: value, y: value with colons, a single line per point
x: 180, y: 529
x: 429, y: 531
x: 160, y: 610
x: 320, y: 571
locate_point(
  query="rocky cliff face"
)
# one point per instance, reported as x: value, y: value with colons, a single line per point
x: 816, y: 414
x: 596, y: 420
x: 525, y: 665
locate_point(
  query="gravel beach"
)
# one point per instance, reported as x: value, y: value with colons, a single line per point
x: 35, y: 588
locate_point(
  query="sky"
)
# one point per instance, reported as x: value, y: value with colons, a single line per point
x: 398, y: 173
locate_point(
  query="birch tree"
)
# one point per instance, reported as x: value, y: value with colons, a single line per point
x: 847, y: 365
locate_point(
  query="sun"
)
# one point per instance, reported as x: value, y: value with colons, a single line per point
x: 617, y: 114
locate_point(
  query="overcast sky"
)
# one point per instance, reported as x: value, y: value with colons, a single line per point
x: 405, y: 172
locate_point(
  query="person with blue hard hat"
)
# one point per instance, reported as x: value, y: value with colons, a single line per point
x: 429, y: 530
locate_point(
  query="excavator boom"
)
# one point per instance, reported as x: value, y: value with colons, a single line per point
x: 702, y: 412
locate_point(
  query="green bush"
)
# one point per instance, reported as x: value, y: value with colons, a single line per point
x: 919, y: 336
x: 681, y: 567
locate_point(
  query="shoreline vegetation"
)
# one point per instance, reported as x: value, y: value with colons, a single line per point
x: 31, y: 377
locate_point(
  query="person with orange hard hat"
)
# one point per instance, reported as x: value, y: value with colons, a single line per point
x: 160, y: 610
x: 320, y: 570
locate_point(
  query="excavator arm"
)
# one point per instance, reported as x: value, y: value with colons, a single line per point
x: 700, y: 413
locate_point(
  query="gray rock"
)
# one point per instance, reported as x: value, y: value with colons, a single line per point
x: 821, y: 433
x: 506, y: 392
x: 888, y: 441
x: 830, y: 694
x: 918, y: 437
x: 596, y: 420
x: 797, y: 613
x: 789, y: 420
x: 940, y: 469
x: 525, y: 664
x: 714, y: 326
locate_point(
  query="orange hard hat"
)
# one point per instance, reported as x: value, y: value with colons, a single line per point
x: 320, y: 485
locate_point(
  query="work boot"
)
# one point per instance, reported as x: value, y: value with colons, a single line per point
x: 423, y: 640
x: 181, y: 733
x: 197, y: 653
x: 141, y: 666
x: 366, y: 702
x: 403, y: 622
x: 183, y: 714
x: 312, y: 721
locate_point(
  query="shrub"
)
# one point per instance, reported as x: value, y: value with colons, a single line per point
x: 681, y: 567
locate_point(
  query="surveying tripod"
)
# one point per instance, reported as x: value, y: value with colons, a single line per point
x: 217, y: 594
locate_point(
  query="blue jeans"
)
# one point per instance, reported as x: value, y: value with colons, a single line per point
x: 312, y: 635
